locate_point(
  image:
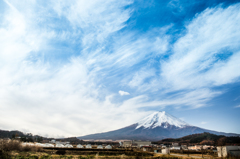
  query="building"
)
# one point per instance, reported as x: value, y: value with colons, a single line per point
x: 176, y: 148
x: 140, y: 143
x: 59, y: 145
x: 88, y: 146
x: 166, y: 151
x: 99, y: 147
x: 196, y: 147
x: 120, y: 143
x: 64, y: 143
x: 146, y: 148
x: 224, y: 151
x: 80, y: 146
x: 175, y: 144
x: 136, y: 143
x: 184, y: 147
x: 68, y: 146
x: 207, y: 147
x: 48, y: 145
x: 127, y: 143
x: 108, y: 147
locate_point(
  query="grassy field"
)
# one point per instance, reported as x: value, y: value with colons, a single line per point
x: 10, y: 149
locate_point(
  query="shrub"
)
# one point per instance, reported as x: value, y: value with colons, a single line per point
x: 45, y: 157
x: 61, y: 152
x: 14, y: 145
x: 9, y: 145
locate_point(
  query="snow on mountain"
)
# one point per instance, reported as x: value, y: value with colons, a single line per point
x: 160, y: 118
x: 157, y: 126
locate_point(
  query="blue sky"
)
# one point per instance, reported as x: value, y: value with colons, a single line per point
x: 71, y: 68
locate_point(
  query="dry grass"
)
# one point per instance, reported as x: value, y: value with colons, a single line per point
x: 15, y: 145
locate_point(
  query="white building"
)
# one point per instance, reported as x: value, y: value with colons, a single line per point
x: 140, y: 143
x: 88, y: 146
x: 136, y: 143
x: 48, y: 145
x: 80, y: 146
x: 166, y: 151
x: 184, y: 147
x: 120, y: 143
x: 59, y: 145
x: 224, y: 151
x: 127, y: 143
x: 108, y: 147
x: 196, y: 147
x: 175, y: 144
x: 176, y: 148
x: 99, y: 147
x: 68, y: 146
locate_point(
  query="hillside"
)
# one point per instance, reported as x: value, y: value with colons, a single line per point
x: 203, y: 138
x: 10, y: 134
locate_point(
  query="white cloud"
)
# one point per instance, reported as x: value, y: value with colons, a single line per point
x: 195, y: 62
x: 140, y: 76
x: 71, y: 96
x: 56, y: 98
x: 237, y: 106
x: 122, y: 93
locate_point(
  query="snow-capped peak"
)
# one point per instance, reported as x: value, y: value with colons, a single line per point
x: 160, y: 118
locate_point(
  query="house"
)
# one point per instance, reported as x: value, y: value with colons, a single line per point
x: 196, y: 147
x: 176, y: 148
x: 146, y: 148
x: 127, y: 143
x: 140, y: 143
x: 224, y: 151
x: 207, y: 147
x: 175, y: 144
x: 166, y: 151
x: 184, y: 147
x: 136, y: 143
x: 80, y: 146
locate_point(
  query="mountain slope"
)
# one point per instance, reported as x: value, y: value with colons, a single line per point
x: 156, y: 126
x: 204, y: 138
x: 10, y: 134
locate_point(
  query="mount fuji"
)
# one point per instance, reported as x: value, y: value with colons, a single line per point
x: 156, y: 126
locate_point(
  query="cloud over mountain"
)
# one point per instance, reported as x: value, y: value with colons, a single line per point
x: 63, y: 63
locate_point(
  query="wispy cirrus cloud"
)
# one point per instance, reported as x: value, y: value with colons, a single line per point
x: 204, y: 57
x: 63, y: 64
x: 207, y: 52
